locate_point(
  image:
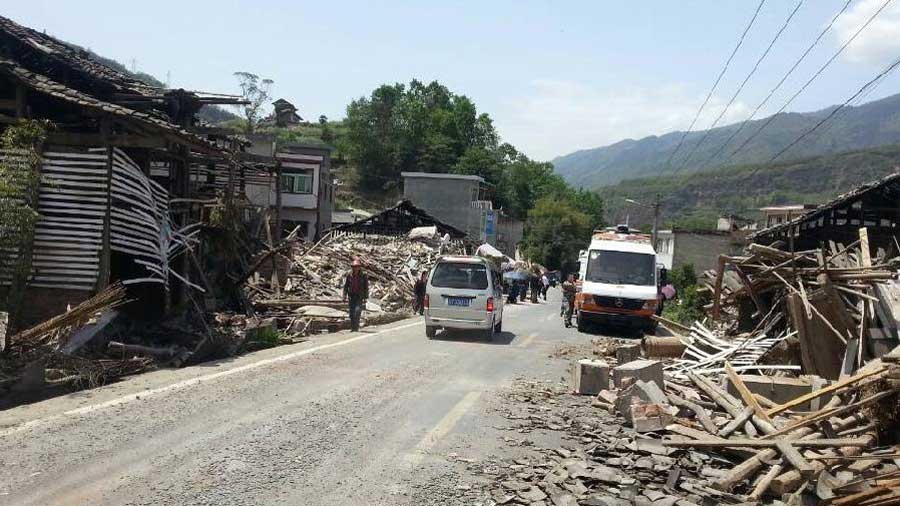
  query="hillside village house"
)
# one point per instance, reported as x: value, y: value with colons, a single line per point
x: 699, y: 248
x: 461, y: 201
x: 284, y: 114
x: 776, y: 215
x: 304, y: 197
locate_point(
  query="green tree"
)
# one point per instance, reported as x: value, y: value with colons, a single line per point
x: 554, y: 232
x: 256, y: 92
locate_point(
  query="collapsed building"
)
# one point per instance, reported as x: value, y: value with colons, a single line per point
x: 129, y: 180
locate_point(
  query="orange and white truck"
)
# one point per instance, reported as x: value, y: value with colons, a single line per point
x: 619, y: 280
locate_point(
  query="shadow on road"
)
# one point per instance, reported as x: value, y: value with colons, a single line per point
x: 613, y: 331
x: 468, y: 336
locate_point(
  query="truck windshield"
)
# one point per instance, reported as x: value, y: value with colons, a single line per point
x: 620, y: 268
x: 460, y: 275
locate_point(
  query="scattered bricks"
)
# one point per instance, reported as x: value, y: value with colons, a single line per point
x: 646, y: 370
x: 639, y: 392
x: 650, y: 417
x: 628, y: 353
x: 591, y: 376
x: 780, y: 389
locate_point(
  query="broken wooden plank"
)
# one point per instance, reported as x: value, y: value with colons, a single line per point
x: 717, y: 442
x: 745, y: 393
x: 834, y: 387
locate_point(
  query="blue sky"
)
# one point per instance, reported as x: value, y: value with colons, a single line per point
x: 555, y: 76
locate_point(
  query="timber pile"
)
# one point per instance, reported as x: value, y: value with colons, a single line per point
x: 47, y: 354
x: 696, y: 441
x: 306, y: 296
x: 841, y: 304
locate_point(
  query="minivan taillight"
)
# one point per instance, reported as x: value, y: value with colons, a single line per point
x: 426, y: 303
x: 490, y: 305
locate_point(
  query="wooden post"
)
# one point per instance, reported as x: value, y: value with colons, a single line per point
x: 717, y: 294
x: 104, y: 274
x: 277, y: 235
x: 21, y: 101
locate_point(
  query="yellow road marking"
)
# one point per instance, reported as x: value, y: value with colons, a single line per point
x: 442, y: 428
x: 527, y: 340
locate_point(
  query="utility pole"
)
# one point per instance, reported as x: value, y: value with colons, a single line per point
x: 655, y: 206
x: 655, y: 221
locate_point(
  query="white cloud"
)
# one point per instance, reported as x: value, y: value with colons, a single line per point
x: 556, y: 117
x: 879, y: 43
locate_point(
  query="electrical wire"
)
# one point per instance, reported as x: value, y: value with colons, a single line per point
x: 868, y: 86
x: 741, y: 86
x: 777, y: 86
x: 716, y: 83
x: 811, y: 79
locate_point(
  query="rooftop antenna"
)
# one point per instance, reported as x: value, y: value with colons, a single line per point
x: 168, y: 79
x: 133, y: 66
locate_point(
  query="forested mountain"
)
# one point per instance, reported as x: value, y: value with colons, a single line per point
x: 696, y: 200
x: 872, y: 124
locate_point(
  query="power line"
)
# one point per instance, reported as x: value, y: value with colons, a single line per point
x: 811, y: 79
x: 870, y: 84
x: 741, y: 87
x: 777, y: 86
x: 716, y: 84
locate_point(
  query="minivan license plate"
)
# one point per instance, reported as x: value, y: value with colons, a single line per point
x: 457, y: 301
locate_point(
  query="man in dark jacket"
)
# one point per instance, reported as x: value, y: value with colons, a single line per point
x: 356, y: 288
x: 419, y: 291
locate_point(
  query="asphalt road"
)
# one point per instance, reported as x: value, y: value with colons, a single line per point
x: 375, y: 417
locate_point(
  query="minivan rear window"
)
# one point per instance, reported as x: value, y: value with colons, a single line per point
x: 460, y: 275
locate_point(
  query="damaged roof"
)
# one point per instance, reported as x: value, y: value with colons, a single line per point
x: 844, y: 199
x: 52, y: 57
x: 401, y: 218
x: 47, y: 86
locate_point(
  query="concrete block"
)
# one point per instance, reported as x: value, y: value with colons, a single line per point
x: 644, y: 370
x: 640, y: 392
x: 628, y: 353
x: 591, y: 377
x: 650, y: 417
x: 256, y: 328
x: 782, y: 389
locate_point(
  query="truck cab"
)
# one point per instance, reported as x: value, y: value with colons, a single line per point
x: 619, y: 281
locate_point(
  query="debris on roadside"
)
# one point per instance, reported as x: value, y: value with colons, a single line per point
x: 788, y: 393
x: 305, y: 296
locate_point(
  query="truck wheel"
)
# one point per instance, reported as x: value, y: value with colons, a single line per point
x: 430, y: 331
x: 498, y: 327
x: 651, y: 327
x: 580, y: 323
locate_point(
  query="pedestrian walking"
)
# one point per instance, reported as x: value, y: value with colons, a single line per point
x: 419, y: 291
x: 569, y: 289
x: 545, y: 285
x: 356, y: 290
x: 535, y: 287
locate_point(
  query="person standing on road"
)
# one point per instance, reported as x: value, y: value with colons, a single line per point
x: 535, y: 287
x: 568, y: 290
x: 419, y: 290
x: 545, y: 285
x: 356, y: 289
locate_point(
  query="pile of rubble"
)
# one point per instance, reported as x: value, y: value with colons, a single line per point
x: 302, y: 289
x: 48, y: 353
x: 788, y: 393
x: 645, y: 437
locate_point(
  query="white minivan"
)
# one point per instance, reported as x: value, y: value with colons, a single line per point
x: 464, y: 292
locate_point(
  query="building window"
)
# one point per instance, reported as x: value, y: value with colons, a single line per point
x: 297, y: 182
